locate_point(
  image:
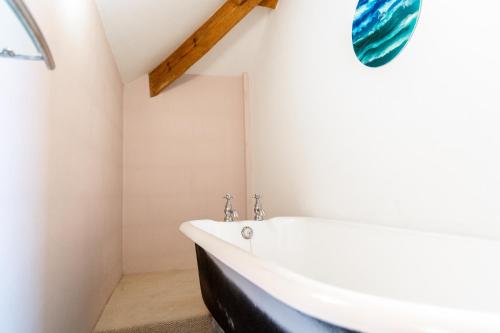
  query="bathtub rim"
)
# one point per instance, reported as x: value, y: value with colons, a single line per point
x: 336, y: 305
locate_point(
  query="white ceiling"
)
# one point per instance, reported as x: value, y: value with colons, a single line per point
x: 144, y: 32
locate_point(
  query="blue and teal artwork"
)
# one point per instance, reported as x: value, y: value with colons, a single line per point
x: 382, y: 28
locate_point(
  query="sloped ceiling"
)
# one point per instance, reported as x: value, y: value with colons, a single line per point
x: 142, y: 33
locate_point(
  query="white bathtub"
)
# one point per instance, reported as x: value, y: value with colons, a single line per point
x: 360, y: 277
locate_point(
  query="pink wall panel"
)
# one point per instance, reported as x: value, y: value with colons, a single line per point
x: 183, y: 150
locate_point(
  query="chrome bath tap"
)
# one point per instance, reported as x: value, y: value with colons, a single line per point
x: 230, y: 214
x: 258, y: 211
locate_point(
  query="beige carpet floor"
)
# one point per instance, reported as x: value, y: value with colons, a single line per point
x: 168, y: 302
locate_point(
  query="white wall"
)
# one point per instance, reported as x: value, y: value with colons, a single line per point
x: 413, y: 144
x: 60, y: 176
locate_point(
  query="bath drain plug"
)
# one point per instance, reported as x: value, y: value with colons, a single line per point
x: 247, y: 233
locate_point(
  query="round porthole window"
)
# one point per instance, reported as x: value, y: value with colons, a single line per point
x: 382, y: 28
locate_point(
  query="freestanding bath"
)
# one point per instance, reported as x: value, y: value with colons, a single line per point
x: 306, y: 275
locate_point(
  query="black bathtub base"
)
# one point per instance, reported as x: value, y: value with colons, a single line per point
x: 240, y: 306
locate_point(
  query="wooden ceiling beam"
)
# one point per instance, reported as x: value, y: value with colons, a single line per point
x: 269, y: 4
x: 202, y: 41
x: 264, y: 3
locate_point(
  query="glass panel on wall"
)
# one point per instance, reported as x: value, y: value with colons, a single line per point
x: 382, y: 28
